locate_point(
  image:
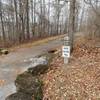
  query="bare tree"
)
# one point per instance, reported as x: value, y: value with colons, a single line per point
x: 27, y: 11
x: 1, y: 17
x: 23, y: 20
x: 94, y: 12
x: 72, y: 21
x: 16, y: 15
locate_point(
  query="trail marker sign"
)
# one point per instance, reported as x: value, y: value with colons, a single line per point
x: 66, y: 51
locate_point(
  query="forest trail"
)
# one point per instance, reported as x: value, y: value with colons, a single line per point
x: 18, y: 61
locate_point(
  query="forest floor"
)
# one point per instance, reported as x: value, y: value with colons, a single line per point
x: 20, y: 59
x: 30, y: 43
x: 80, y: 79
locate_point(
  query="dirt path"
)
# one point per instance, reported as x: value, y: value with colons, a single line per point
x: 18, y: 61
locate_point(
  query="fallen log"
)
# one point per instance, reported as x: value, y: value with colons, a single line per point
x: 4, y: 51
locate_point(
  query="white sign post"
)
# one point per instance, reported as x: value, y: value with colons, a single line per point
x: 66, y: 50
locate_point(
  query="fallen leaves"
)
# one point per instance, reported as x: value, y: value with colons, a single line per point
x: 79, y: 80
x: 2, y: 82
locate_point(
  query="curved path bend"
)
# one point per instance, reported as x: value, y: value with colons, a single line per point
x: 15, y: 63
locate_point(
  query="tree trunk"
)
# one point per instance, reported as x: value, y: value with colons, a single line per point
x: 34, y: 18
x: 2, y: 23
x: 16, y: 14
x: 72, y: 22
x: 27, y: 13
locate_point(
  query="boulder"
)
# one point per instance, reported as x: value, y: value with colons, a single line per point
x: 52, y: 51
x: 37, y: 70
x: 4, y: 51
x: 28, y: 84
x: 19, y: 96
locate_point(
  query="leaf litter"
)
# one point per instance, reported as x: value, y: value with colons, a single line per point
x: 79, y: 80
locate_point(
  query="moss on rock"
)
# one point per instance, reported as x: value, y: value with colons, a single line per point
x: 28, y: 84
x: 19, y: 96
x: 37, y: 70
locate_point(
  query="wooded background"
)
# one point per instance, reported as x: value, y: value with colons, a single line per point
x: 24, y: 20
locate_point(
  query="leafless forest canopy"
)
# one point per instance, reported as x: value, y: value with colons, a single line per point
x: 23, y: 20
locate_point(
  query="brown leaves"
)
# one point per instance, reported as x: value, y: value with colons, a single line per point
x: 2, y: 82
x: 80, y: 79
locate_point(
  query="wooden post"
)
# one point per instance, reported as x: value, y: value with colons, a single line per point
x: 66, y: 50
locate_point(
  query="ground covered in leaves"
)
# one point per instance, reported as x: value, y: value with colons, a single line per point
x: 79, y: 80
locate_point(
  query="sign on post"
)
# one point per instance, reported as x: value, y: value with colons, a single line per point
x: 66, y: 50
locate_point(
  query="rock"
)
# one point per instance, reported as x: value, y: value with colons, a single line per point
x: 19, y: 96
x: 39, y: 69
x: 53, y: 51
x: 4, y: 51
x: 28, y: 84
